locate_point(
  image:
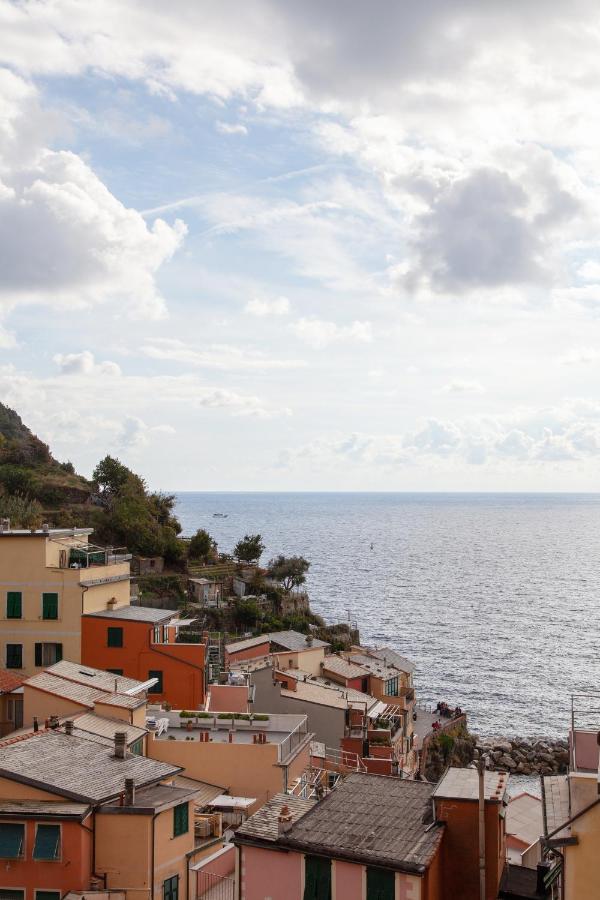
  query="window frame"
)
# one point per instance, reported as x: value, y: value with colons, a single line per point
x: 10, y: 596
x: 6, y: 646
x: 48, y: 594
x: 156, y: 688
x: 317, y: 877
x: 13, y: 890
x: 168, y: 885
x: 114, y: 630
x: 38, y: 892
x: 178, y: 815
x: 56, y: 858
x: 380, y: 871
x: 22, y: 854
x: 40, y: 651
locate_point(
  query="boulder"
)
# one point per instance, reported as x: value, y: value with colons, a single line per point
x: 507, y: 762
x: 503, y: 746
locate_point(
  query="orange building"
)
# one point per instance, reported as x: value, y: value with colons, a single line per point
x: 142, y: 642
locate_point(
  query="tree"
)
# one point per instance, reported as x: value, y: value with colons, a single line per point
x: 290, y: 571
x: 249, y: 549
x: 202, y: 546
x: 246, y: 612
x: 114, y: 479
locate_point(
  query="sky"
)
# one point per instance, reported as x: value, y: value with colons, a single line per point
x: 271, y: 245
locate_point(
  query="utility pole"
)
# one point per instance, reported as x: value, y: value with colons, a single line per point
x: 481, y: 775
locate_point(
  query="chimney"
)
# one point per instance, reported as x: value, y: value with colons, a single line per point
x: 54, y: 722
x: 111, y: 603
x: 36, y: 726
x: 129, y: 792
x: 4, y: 525
x: 284, y: 822
x: 309, y: 640
x: 120, y: 744
x: 231, y: 737
x: 69, y: 726
x: 45, y: 527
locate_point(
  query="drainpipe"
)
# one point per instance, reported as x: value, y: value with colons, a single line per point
x: 481, y: 778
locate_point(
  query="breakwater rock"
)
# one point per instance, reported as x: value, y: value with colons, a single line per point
x: 524, y: 756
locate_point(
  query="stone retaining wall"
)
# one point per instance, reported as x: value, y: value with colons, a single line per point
x: 523, y: 756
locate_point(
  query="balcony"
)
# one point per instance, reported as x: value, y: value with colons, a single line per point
x: 89, y: 556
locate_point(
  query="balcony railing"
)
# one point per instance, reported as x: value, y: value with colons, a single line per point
x: 293, y: 740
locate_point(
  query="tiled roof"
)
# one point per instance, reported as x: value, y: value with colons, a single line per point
x: 340, y: 666
x: 374, y: 819
x: 376, y: 666
x: 463, y: 784
x: 91, y: 727
x: 263, y: 824
x: 135, y: 614
x: 9, y: 681
x: 97, y: 678
x: 156, y: 796
x: 124, y: 701
x: 524, y: 818
x: 82, y: 694
x: 557, y: 803
x: 305, y: 680
x: 76, y: 768
x: 205, y: 792
x: 247, y: 644
x: 315, y: 693
x: 394, y: 659
x: 45, y: 808
x: 294, y: 640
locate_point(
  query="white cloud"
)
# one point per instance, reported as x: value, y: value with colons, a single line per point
x: 230, y: 128
x: 580, y: 356
x: 84, y: 364
x: 222, y: 357
x: 318, y: 333
x: 462, y: 386
x: 279, y: 306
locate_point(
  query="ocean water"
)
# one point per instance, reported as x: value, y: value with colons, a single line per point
x: 496, y: 597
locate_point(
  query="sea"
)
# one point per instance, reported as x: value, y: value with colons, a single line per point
x: 495, y: 597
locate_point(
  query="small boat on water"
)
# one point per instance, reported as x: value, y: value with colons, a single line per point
x: 220, y: 515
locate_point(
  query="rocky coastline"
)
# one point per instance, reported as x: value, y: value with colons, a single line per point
x: 525, y: 756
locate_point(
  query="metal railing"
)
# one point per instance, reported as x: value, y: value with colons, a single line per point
x: 215, y: 887
x: 292, y: 741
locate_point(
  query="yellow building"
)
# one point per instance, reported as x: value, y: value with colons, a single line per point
x: 48, y: 579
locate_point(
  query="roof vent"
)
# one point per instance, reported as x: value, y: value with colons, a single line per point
x: 284, y: 822
x: 69, y: 726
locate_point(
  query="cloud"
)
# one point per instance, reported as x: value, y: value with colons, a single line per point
x: 580, y: 356
x: 461, y: 386
x: 318, y: 333
x: 222, y: 357
x: 84, y: 364
x: 279, y: 306
x: 135, y: 433
x: 228, y: 128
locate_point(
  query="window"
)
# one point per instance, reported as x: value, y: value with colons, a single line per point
x: 14, y: 605
x: 158, y: 687
x: 12, y: 838
x: 317, y: 878
x: 391, y: 687
x: 114, y: 637
x: 180, y: 820
x: 47, y: 895
x: 137, y: 747
x: 49, y: 606
x: 14, y: 656
x: 47, y: 842
x: 171, y: 888
x: 48, y: 654
x: 115, y: 671
x: 380, y: 884
x: 12, y: 894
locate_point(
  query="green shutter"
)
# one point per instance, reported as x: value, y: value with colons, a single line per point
x: 49, y: 606
x: 38, y: 655
x: 158, y: 687
x: 180, y: 820
x: 45, y: 895
x: 317, y: 878
x: 137, y: 748
x: 59, y: 655
x: 114, y: 637
x: 380, y: 884
x: 14, y: 605
x: 11, y: 840
x: 14, y: 656
x: 16, y: 894
x: 47, y: 842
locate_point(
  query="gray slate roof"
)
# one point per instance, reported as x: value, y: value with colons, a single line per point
x: 135, y: 614
x: 96, y: 678
x: 92, y: 727
x: 46, y: 809
x: 156, y: 796
x: 76, y: 768
x: 394, y: 659
x: 374, y: 819
x: 263, y: 824
x: 294, y: 640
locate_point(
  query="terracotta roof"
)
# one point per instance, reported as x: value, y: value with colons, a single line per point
x: 9, y: 681
x: 264, y: 823
x: 463, y: 784
x: 373, y: 819
x: 76, y: 768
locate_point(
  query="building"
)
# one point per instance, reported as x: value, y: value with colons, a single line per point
x: 371, y: 838
x: 205, y: 591
x: 145, y: 643
x: 253, y: 757
x: 290, y: 649
x: 524, y: 827
x: 11, y: 701
x: 48, y: 579
x: 80, y: 815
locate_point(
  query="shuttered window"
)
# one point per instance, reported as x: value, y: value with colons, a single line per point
x: 48, y: 654
x: 158, y: 687
x: 49, y: 606
x: 180, y: 820
x: 137, y: 748
x: 171, y: 888
x: 46, y: 895
x: 317, y: 878
x: 12, y: 837
x: 11, y: 894
x: 14, y: 656
x: 114, y: 637
x: 14, y: 605
x: 47, y: 842
x: 380, y: 884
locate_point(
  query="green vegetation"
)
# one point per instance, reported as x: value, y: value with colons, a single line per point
x: 290, y: 571
x: 243, y: 717
x: 249, y: 549
x: 202, y: 547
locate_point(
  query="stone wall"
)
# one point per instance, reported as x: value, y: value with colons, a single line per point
x: 522, y: 756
